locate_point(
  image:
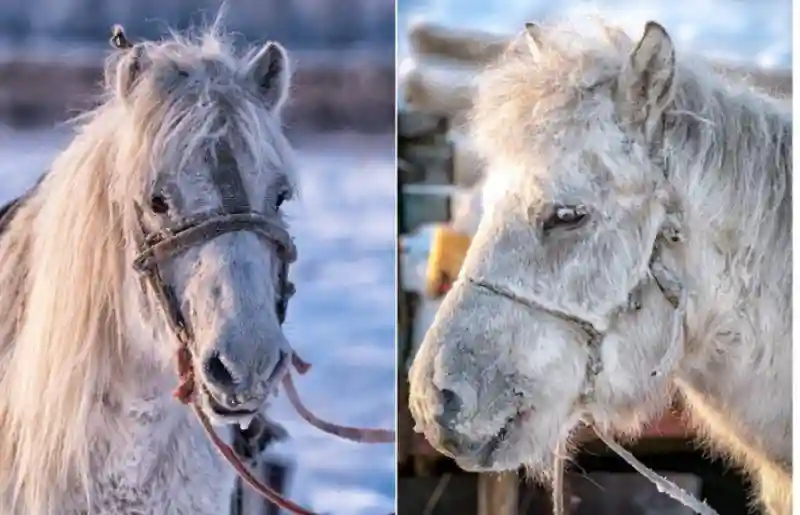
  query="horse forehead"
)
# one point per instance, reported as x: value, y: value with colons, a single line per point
x: 211, y: 185
x: 530, y: 178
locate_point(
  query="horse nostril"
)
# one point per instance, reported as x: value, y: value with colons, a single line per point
x: 450, y: 400
x: 451, y: 406
x: 218, y: 373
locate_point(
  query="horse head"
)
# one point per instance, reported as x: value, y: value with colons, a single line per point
x: 202, y: 173
x: 558, y: 313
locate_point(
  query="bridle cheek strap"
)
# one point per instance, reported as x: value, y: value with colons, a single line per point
x: 667, y: 284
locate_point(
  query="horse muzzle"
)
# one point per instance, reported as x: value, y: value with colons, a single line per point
x: 228, y: 395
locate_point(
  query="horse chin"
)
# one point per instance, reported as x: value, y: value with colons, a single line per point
x: 507, y: 450
x: 522, y: 442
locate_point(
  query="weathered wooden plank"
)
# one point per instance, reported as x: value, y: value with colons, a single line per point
x: 627, y: 494
x: 416, y: 125
x: 435, y: 162
x: 498, y: 494
x: 458, y: 496
x: 421, y: 209
x: 469, y: 46
x: 351, y: 95
x: 405, y: 424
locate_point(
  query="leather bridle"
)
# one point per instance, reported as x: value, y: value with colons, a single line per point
x: 675, y: 294
x: 674, y: 291
x: 160, y: 246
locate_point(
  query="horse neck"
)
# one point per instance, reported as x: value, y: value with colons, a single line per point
x: 736, y: 376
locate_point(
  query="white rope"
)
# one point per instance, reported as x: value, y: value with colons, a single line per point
x: 677, y: 338
x: 433, y: 500
x: 558, y: 478
x: 664, y: 485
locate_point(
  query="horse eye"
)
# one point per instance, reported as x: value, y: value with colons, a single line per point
x: 159, y: 204
x: 566, y: 216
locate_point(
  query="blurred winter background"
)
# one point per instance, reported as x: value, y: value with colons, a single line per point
x: 341, y: 119
x: 759, y: 33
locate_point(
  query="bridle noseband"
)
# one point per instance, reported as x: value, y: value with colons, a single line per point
x: 162, y: 245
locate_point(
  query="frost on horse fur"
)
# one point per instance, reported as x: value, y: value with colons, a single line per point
x: 86, y: 357
x: 598, y: 149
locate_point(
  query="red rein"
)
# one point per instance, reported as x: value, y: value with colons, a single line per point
x: 185, y: 393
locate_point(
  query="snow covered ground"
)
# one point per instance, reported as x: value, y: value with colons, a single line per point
x: 739, y: 30
x: 342, y: 319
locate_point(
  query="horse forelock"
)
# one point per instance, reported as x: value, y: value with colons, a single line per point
x: 78, y: 233
x: 193, y: 95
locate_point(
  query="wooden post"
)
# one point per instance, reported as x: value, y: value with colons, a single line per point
x: 498, y: 494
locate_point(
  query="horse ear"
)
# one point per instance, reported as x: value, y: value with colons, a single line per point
x: 533, y: 38
x: 617, y: 37
x: 125, y: 66
x: 269, y: 69
x: 647, y: 81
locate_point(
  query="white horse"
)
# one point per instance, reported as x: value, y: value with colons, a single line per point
x: 188, y: 138
x: 636, y: 244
